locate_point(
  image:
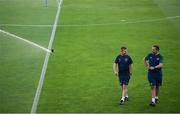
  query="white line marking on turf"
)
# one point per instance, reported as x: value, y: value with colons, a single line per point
x: 123, y: 22
x: 25, y: 25
x: 57, y: 1
x: 40, y: 84
x: 96, y: 24
x: 27, y: 41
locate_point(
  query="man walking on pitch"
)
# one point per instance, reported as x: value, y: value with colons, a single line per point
x: 123, y: 68
x: 154, y: 63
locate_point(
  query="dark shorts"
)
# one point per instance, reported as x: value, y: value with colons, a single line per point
x: 124, y: 79
x: 155, y: 79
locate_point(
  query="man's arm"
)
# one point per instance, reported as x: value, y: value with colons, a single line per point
x: 159, y: 66
x: 130, y: 69
x: 146, y: 63
x: 156, y: 67
x: 152, y: 68
x: 115, y: 69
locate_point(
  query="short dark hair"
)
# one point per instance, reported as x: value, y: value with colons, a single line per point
x: 157, y: 47
x: 123, y: 47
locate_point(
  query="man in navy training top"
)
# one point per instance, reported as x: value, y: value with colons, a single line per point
x: 154, y: 63
x: 122, y: 67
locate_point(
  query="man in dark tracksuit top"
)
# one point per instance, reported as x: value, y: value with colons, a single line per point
x: 123, y: 68
x: 154, y: 63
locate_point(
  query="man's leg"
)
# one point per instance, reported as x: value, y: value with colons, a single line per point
x: 157, y: 92
x: 123, y: 94
x: 125, y: 90
x: 159, y: 83
x: 153, y: 94
x: 126, y: 93
x: 152, y: 82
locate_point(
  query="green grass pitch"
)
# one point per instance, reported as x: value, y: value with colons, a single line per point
x: 79, y: 76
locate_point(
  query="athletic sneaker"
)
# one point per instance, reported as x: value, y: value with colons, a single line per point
x: 121, y: 102
x: 126, y: 99
x: 156, y: 100
x: 152, y: 104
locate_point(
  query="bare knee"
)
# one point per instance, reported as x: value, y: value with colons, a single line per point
x: 124, y: 87
x: 153, y: 87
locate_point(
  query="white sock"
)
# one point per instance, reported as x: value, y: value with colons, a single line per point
x: 153, y: 100
x: 123, y: 98
x: 127, y: 95
x: 156, y: 97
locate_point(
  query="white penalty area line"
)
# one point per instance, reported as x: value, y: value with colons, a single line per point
x: 43, y: 72
x: 27, y: 41
x: 95, y: 24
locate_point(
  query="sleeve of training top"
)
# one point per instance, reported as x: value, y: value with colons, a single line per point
x: 130, y: 61
x: 116, y: 60
x: 161, y: 59
x: 147, y: 57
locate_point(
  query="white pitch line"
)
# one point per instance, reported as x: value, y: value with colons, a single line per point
x: 40, y: 84
x: 25, y: 25
x: 58, y: 2
x: 96, y: 24
x: 121, y: 23
x: 172, y: 17
x: 27, y: 41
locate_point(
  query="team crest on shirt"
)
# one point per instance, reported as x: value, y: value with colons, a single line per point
x: 157, y: 59
x: 126, y: 59
x: 119, y: 60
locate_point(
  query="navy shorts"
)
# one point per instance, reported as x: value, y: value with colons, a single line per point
x: 155, y: 79
x: 124, y: 79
